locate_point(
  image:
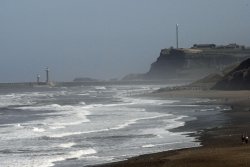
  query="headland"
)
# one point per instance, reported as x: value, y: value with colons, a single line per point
x: 194, y: 62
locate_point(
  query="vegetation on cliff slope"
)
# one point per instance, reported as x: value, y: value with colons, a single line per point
x: 237, y: 79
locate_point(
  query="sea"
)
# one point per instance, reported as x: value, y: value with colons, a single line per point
x: 94, y: 124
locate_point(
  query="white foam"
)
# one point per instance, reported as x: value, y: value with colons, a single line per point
x: 67, y: 145
x: 57, y: 127
x: 83, y: 94
x: 121, y: 126
x: 100, y: 88
x: 64, y: 134
x: 63, y: 117
x: 136, y: 120
x: 149, y: 101
x: 91, y: 106
x: 25, y: 98
x: 80, y: 153
x: 71, y: 155
x: 51, y: 107
x: 14, y: 99
x: 148, y: 146
x: 133, y: 101
x: 82, y: 103
x: 44, y: 160
x: 208, y: 109
x: 35, y: 129
x: 30, y: 162
x: 183, y: 105
x: 176, y: 122
x: 164, y: 132
x: 67, y: 115
x: 77, y: 133
x: 18, y: 125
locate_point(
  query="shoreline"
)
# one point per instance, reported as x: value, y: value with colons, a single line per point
x: 218, y: 145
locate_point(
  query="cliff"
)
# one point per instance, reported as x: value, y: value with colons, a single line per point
x: 193, y: 63
x: 237, y: 79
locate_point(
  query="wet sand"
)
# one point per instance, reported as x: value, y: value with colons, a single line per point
x: 222, y: 145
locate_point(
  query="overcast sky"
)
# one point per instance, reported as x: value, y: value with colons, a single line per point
x: 108, y: 38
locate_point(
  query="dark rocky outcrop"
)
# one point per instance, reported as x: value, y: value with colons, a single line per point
x: 237, y: 79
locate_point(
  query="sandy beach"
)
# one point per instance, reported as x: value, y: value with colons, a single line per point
x: 221, y: 146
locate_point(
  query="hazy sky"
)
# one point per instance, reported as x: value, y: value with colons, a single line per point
x: 108, y: 38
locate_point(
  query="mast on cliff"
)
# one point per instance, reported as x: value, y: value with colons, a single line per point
x: 177, y: 36
x: 47, y: 75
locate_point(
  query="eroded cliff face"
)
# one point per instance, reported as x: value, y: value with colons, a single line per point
x: 168, y: 64
x: 193, y: 63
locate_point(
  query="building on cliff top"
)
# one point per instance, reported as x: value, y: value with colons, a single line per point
x: 213, y: 46
x: 204, y: 46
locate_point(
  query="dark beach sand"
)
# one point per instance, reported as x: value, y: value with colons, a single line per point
x: 222, y: 146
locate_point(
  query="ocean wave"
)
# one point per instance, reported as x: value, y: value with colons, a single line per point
x: 122, y: 126
x: 175, y: 122
x: 117, y: 127
x: 65, y: 115
x: 20, y: 158
x: 65, y: 134
x: 125, y: 101
x: 14, y: 100
x: 72, y: 155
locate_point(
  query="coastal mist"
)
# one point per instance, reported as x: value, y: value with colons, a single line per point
x: 88, y: 125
